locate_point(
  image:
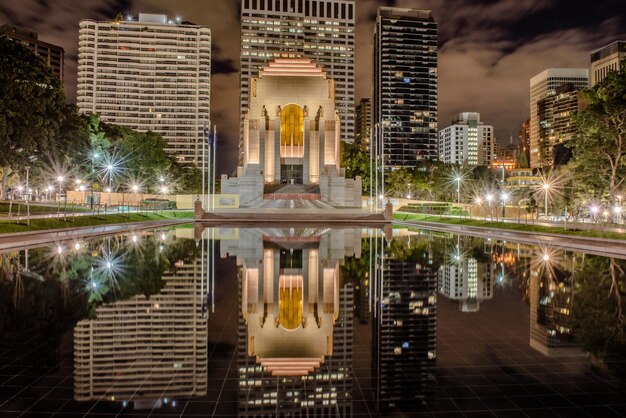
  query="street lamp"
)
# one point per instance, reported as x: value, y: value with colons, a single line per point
x: 505, y: 197
x: 458, y: 189
x: 110, y: 169
x: 546, y: 187
x: 618, y: 212
x: 489, y: 198
x: 60, y: 180
x: 594, y: 211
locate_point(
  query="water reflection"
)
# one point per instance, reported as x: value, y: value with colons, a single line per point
x: 295, y: 322
x: 325, y: 321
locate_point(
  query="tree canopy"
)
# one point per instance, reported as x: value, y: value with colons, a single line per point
x: 599, y: 148
x: 34, y: 118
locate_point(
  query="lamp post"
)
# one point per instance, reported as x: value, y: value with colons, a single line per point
x: 110, y: 188
x: 618, y: 213
x: 489, y: 198
x: 594, y: 211
x: 546, y: 188
x: 505, y: 197
x: 135, y: 189
x: 458, y: 189
x: 479, y: 203
x: 60, y: 180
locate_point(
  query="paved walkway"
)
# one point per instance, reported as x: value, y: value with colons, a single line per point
x: 597, y: 246
x: 38, y: 238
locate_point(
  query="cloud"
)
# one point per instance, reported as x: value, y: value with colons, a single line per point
x: 488, y: 49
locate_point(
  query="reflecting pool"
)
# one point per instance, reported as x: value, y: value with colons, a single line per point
x: 311, y: 321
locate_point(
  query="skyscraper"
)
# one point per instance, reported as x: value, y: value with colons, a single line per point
x: 546, y: 132
x: 363, y: 123
x: 151, y: 73
x: 605, y: 60
x: 53, y: 55
x: 467, y: 141
x: 322, y: 30
x: 405, y: 85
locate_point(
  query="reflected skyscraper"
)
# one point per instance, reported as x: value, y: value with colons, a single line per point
x: 145, y: 350
x: 404, y: 332
x: 466, y: 281
x: 551, y: 297
x: 295, y: 324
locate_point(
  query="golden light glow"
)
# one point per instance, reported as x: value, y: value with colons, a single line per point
x: 290, y: 302
x: 292, y: 126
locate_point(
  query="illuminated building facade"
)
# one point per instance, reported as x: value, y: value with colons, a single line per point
x: 405, y: 85
x: 149, y: 74
x: 146, y: 350
x: 467, y: 141
x: 291, y: 133
x: 605, y: 60
x: 363, y: 124
x: 322, y: 30
x: 551, y: 110
x: 52, y: 55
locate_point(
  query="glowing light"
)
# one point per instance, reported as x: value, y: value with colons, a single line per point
x: 505, y: 197
x: 78, y: 181
x: 478, y: 201
x: 60, y: 179
x: 108, y: 190
x: 546, y: 257
x: 20, y: 188
x: 59, y: 250
x: 134, y: 238
x: 594, y: 209
x: 546, y: 186
x: 164, y: 190
x: 489, y: 198
x: 135, y: 188
x: 77, y: 246
x: 163, y: 236
x: 617, y: 209
x: 110, y: 167
x: 109, y: 265
x: 94, y: 285
x: 81, y: 188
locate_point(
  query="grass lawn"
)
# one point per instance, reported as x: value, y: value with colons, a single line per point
x: 36, y: 208
x: 78, y: 221
x: 508, y: 226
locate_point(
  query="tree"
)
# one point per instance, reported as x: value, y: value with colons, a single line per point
x: 357, y: 163
x: 599, y: 148
x: 34, y: 118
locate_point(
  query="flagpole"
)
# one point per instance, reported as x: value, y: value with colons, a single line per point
x: 214, y: 158
x: 203, y: 140
x: 208, y: 184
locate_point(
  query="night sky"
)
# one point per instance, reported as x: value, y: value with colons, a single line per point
x: 489, y: 49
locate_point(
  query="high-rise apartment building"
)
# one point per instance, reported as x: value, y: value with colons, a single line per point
x: 605, y: 60
x: 467, y: 141
x: 544, y: 100
x: 524, y: 144
x: 322, y: 30
x: 53, y: 55
x: 363, y: 123
x: 149, y: 74
x: 405, y: 85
